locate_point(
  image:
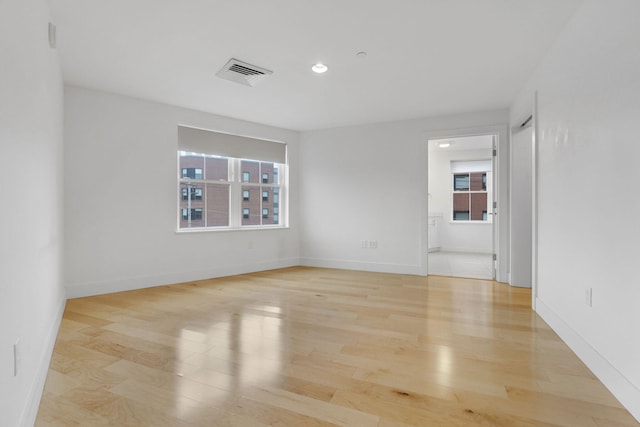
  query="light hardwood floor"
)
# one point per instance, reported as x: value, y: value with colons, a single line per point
x: 319, y: 347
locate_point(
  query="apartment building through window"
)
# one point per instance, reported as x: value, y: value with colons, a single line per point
x: 217, y: 190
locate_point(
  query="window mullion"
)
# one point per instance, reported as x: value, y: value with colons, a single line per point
x: 235, y: 194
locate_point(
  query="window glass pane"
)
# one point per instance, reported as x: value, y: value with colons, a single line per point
x: 217, y: 205
x: 250, y: 171
x: 265, y: 213
x: 477, y: 181
x: 191, y: 166
x: 245, y: 213
x: 461, y: 182
x: 204, y: 205
x: 266, y: 171
x: 204, y: 166
x: 478, y: 206
x: 252, y: 205
x: 190, y: 191
x: 460, y: 204
x: 189, y: 202
x: 216, y: 169
x: 461, y: 215
x: 265, y: 195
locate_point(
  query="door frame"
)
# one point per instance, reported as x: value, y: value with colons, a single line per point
x: 501, y: 176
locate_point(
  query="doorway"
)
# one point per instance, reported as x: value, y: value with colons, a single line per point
x: 461, y: 195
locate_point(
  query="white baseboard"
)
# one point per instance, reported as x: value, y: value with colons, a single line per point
x: 361, y: 265
x: 140, y: 282
x: 28, y: 417
x: 618, y: 385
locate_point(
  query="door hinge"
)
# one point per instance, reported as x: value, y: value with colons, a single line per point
x: 495, y: 257
x: 495, y: 152
x: 495, y: 205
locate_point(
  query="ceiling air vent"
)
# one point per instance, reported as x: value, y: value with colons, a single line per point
x: 241, y: 72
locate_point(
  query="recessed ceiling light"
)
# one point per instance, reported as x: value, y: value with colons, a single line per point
x: 319, y: 68
x: 444, y: 145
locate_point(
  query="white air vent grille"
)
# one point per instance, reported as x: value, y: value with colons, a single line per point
x: 243, y: 73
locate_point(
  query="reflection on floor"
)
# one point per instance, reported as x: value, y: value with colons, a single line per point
x: 461, y: 264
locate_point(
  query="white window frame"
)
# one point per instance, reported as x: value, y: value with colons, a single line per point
x: 486, y: 191
x: 236, y: 184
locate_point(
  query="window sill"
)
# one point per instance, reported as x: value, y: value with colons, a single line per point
x: 471, y: 222
x: 232, y: 229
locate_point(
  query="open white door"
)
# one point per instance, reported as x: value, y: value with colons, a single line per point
x: 521, y: 205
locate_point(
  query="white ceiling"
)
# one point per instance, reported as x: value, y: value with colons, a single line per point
x: 424, y: 57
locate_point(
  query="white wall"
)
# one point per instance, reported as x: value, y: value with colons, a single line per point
x: 521, y: 198
x: 370, y: 183
x: 120, y: 199
x: 456, y: 236
x: 31, y: 292
x: 587, y: 126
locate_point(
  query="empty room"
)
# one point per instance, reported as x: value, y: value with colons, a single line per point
x: 284, y: 213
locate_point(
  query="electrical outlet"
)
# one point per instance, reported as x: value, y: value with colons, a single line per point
x: 373, y: 244
x: 365, y: 244
x: 588, y: 297
x: 16, y: 357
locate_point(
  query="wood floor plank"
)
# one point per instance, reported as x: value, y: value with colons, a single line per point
x: 316, y: 347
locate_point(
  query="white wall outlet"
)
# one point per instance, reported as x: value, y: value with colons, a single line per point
x: 16, y: 357
x: 588, y: 297
x: 373, y: 244
x: 365, y: 244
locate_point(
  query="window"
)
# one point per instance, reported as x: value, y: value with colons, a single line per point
x: 461, y: 182
x: 470, y: 195
x: 196, y: 214
x: 196, y: 193
x: 193, y: 173
x: 260, y: 200
x: 228, y: 181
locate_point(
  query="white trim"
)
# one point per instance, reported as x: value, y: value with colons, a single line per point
x: 618, y: 385
x: 141, y: 282
x: 534, y: 203
x: 30, y: 412
x: 362, y: 266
